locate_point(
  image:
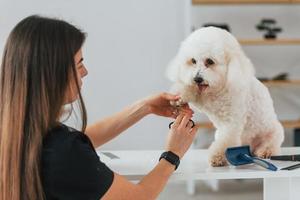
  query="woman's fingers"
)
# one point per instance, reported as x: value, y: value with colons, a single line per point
x: 186, y: 108
x: 191, y: 124
x: 177, y: 110
x: 184, y: 122
x: 178, y: 121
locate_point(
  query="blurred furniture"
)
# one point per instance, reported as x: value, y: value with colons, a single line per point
x: 297, y: 137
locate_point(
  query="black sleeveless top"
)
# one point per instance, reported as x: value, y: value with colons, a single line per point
x: 71, y: 168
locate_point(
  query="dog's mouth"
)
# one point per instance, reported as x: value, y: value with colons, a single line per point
x: 202, y: 87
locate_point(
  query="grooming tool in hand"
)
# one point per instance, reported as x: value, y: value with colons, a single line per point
x: 189, y: 120
x: 286, y: 157
x: 242, y: 155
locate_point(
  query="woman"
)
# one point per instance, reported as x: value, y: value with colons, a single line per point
x: 40, y: 158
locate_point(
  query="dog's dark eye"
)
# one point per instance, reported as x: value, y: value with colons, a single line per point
x: 209, y: 62
x: 193, y: 61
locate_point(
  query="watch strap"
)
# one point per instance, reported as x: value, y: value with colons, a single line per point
x: 171, y: 158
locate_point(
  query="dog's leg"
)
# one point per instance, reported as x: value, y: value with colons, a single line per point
x: 269, y: 143
x: 185, y: 95
x: 180, y: 102
x: 227, y: 137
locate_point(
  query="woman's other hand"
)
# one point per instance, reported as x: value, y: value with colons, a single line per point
x: 181, y: 135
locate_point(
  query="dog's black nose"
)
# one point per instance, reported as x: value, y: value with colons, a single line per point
x: 198, y: 79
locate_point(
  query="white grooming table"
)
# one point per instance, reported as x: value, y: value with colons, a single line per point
x: 279, y: 185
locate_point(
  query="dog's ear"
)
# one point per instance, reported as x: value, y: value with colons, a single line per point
x: 172, y: 71
x: 240, y: 70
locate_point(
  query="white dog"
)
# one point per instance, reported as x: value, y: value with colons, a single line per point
x: 211, y: 72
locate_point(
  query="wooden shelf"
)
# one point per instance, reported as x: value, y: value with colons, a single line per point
x: 206, y: 125
x: 269, y: 41
x: 245, y: 1
x: 291, y: 123
x: 285, y: 124
x: 281, y: 83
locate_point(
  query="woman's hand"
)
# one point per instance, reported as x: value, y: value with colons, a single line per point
x: 181, y: 135
x: 160, y: 105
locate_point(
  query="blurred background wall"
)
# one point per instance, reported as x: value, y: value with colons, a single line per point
x: 130, y: 43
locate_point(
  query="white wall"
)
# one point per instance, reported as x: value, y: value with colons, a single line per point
x: 128, y: 46
x: 130, y: 42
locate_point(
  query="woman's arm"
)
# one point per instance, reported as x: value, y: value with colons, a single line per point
x: 180, y: 138
x: 110, y: 127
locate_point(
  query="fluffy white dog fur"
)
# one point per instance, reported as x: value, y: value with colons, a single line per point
x: 211, y: 72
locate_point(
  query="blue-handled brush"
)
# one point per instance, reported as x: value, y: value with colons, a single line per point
x: 242, y: 155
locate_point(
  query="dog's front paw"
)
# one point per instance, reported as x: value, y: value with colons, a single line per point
x: 177, y: 103
x: 218, y: 160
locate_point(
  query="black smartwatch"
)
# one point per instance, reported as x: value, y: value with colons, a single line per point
x: 171, y: 158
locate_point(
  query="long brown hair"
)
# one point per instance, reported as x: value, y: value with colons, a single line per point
x: 37, y: 67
